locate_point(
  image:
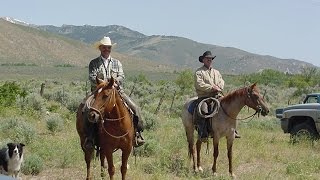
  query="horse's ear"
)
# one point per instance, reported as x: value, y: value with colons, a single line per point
x: 253, y: 85
x: 98, y: 80
x: 111, y: 82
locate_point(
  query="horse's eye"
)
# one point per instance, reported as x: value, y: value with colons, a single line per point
x: 255, y: 96
x: 104, y: 96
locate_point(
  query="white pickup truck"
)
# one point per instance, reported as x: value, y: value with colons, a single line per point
x: 302, y: 119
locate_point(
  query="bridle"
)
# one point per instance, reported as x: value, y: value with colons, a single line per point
x: 91, y: 99
x: 103, y: 118
x: 248, y: 97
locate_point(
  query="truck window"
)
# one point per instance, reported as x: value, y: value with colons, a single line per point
x: 312, y: 99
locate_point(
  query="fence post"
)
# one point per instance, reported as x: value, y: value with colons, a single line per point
x: 173, y: 98
x: 43, y: 85
x: 160, y: 102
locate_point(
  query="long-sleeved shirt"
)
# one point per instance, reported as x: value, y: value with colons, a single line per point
x: 104, y: 69
x: 205, y: 78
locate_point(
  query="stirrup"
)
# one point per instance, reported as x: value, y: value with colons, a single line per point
x: 236, y: 135
x: 139, y: 141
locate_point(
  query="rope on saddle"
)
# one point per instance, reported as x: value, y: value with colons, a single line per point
x: 215, y: 109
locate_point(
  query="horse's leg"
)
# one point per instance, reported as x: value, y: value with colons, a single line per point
x: 111, y: 169
x: 102, y: 158
x: 229, y: 147
x: 124, y: 165
x: 198, y: 148
x: 215, y: 155
x: 88, y: 154
x: 191, y: 149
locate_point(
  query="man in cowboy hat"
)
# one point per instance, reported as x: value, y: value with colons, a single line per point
x: 208, y: 83
x: 105, y: 67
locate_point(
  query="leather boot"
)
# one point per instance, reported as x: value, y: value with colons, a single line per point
x: 91, y: 134
x: 202, y: 130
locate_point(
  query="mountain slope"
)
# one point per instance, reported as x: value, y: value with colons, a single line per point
x: 28, y: 45
x: 178, y: 50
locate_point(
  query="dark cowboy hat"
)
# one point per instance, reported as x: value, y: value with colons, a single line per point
x: 207, y: 54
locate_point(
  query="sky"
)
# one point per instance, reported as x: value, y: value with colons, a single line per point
x: 288, y: 29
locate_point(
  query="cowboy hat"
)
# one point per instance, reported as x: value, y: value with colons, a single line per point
x: 206, y: 54
x: 106, y: 41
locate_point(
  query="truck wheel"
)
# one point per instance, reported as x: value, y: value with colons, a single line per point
x: 303, y: 131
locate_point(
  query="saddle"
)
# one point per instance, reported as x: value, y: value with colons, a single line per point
x: 195, y: 107
x: 200, y: 120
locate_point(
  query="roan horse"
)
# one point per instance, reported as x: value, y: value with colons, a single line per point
x: 223, y: 123
x: 116, y: 130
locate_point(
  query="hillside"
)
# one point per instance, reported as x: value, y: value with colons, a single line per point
x: 30, y: 46
x: 178, y: 50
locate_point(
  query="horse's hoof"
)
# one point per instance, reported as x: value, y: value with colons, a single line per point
x: 200, y: 169
x: 196, y: 170
x: 233, y: 176
x: 215, y: 174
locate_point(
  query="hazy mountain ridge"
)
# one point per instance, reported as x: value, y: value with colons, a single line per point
x: 182, y: 51
x: 28, y: 45
x: 172, y: 50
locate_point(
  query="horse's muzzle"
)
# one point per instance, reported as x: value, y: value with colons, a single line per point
x: 93, y: 117
x: 263, y: 111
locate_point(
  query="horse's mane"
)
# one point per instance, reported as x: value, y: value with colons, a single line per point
x: 230, y: 96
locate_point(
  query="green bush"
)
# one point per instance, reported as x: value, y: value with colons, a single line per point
x: 18, y: 130
x: 36, y: 102
x: 150, y: 120
x: 54, y: 123
x: 150, y: 148
x: 73, y: 102
x: 33, y: 165
x: 9, y: 92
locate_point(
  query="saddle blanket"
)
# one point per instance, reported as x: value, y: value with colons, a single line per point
x: 192, y: 106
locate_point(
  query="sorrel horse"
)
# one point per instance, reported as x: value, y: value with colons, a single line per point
x: 223, y: 123
x: 116, y: 130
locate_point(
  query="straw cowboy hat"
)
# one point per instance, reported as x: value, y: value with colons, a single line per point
x: 106, y: 41
x: 206, y: 54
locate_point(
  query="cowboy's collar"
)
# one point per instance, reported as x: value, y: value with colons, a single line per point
x: 104, y: 59
x: 206, y: 67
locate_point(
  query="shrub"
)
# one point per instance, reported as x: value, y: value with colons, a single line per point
x: 36, y: 102
x: 150, y: 120
x: 150, y: 148
x: 54, y: 123
x: 32, y: 165
x: 73, y: 102
x: 9, y: 92
x: 18, y: 130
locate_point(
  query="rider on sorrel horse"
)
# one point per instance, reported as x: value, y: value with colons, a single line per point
x: 114, y: 124
x: 223, y: 123
x: 208, y: 83
x: 106, y: 67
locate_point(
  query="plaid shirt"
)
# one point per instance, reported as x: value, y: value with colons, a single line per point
x: 104, y: 69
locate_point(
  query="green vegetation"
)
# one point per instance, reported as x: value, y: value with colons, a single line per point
x: 46, y: 124
x: 64, y: 65
x: 18, y: 64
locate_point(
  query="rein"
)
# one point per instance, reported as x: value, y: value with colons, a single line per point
x: 117, y: 137
x: 103, y: 119
x: 251, y: 116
